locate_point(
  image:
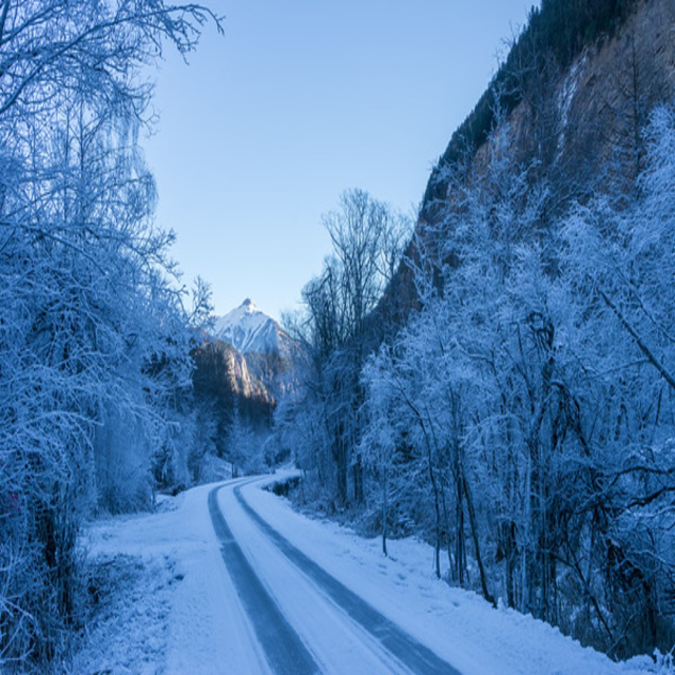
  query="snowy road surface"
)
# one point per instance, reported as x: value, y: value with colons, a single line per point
x: 228, y: 579
x: 352, y: 637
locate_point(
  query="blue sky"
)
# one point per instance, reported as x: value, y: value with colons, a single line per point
x: 297, y: 102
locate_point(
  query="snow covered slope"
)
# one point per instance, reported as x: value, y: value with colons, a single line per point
x: 250, y: 330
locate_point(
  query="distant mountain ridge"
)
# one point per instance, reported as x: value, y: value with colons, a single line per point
x: 249, y: 330
x: 247, y: 362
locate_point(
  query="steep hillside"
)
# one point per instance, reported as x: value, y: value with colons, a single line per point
x: 575, y: 106
x: 223, y: 380
x: 574, y: 96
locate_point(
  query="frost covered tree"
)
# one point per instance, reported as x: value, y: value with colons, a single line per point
x: 94, y: 336
x: 533, y: 393
x: 447, y: 357
x: 380, y: 446
x: 619, y: 266
x: 366, y: 237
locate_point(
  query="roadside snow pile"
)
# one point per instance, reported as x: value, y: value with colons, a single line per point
x: 166, y: 602
x: 128, y: 633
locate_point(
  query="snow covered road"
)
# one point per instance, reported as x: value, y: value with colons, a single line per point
x: 229, y: 579
x: 285, y: 651
x: 352, y: 637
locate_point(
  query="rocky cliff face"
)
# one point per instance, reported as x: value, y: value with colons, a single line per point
x: 585, y: 124
x: 580, y: 127
x: 224, y: 384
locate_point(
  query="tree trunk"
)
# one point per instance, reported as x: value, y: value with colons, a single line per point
x: 385, y: 508
x: 474, y: 534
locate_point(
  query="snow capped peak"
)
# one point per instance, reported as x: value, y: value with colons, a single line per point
x: 249, y: 330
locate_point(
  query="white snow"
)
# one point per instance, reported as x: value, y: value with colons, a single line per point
x: 176, y: 609
x: 248, y: 329
x: 566, y: 96
x: 182, y: 615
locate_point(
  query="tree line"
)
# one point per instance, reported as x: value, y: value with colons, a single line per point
x: 95, y: 328
x: 522, y: 421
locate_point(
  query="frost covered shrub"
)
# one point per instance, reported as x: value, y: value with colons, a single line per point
x: 122, y: 455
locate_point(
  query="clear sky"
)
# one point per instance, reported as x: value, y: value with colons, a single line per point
x: 297, y: 102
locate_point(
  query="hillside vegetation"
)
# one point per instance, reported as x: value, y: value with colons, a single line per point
x: 555, y: 34
x: 522, y: 417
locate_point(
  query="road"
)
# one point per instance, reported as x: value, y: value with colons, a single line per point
x: 304, y: 619
x: 228, y: 578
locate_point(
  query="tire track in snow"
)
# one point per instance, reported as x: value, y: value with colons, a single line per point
x: 284, y: 650
x: 413, y: 654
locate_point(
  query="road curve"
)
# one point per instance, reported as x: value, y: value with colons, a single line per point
x: 294, y: 619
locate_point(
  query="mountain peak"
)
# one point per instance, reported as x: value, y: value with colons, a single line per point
x: 250, y: 330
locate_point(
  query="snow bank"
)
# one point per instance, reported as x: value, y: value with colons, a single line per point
x: 178, y: 613
x: 459, y: 625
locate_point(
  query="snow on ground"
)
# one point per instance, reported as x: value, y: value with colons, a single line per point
x: 459, y: 625
x: 180, y: 614
x: 174, y: 609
